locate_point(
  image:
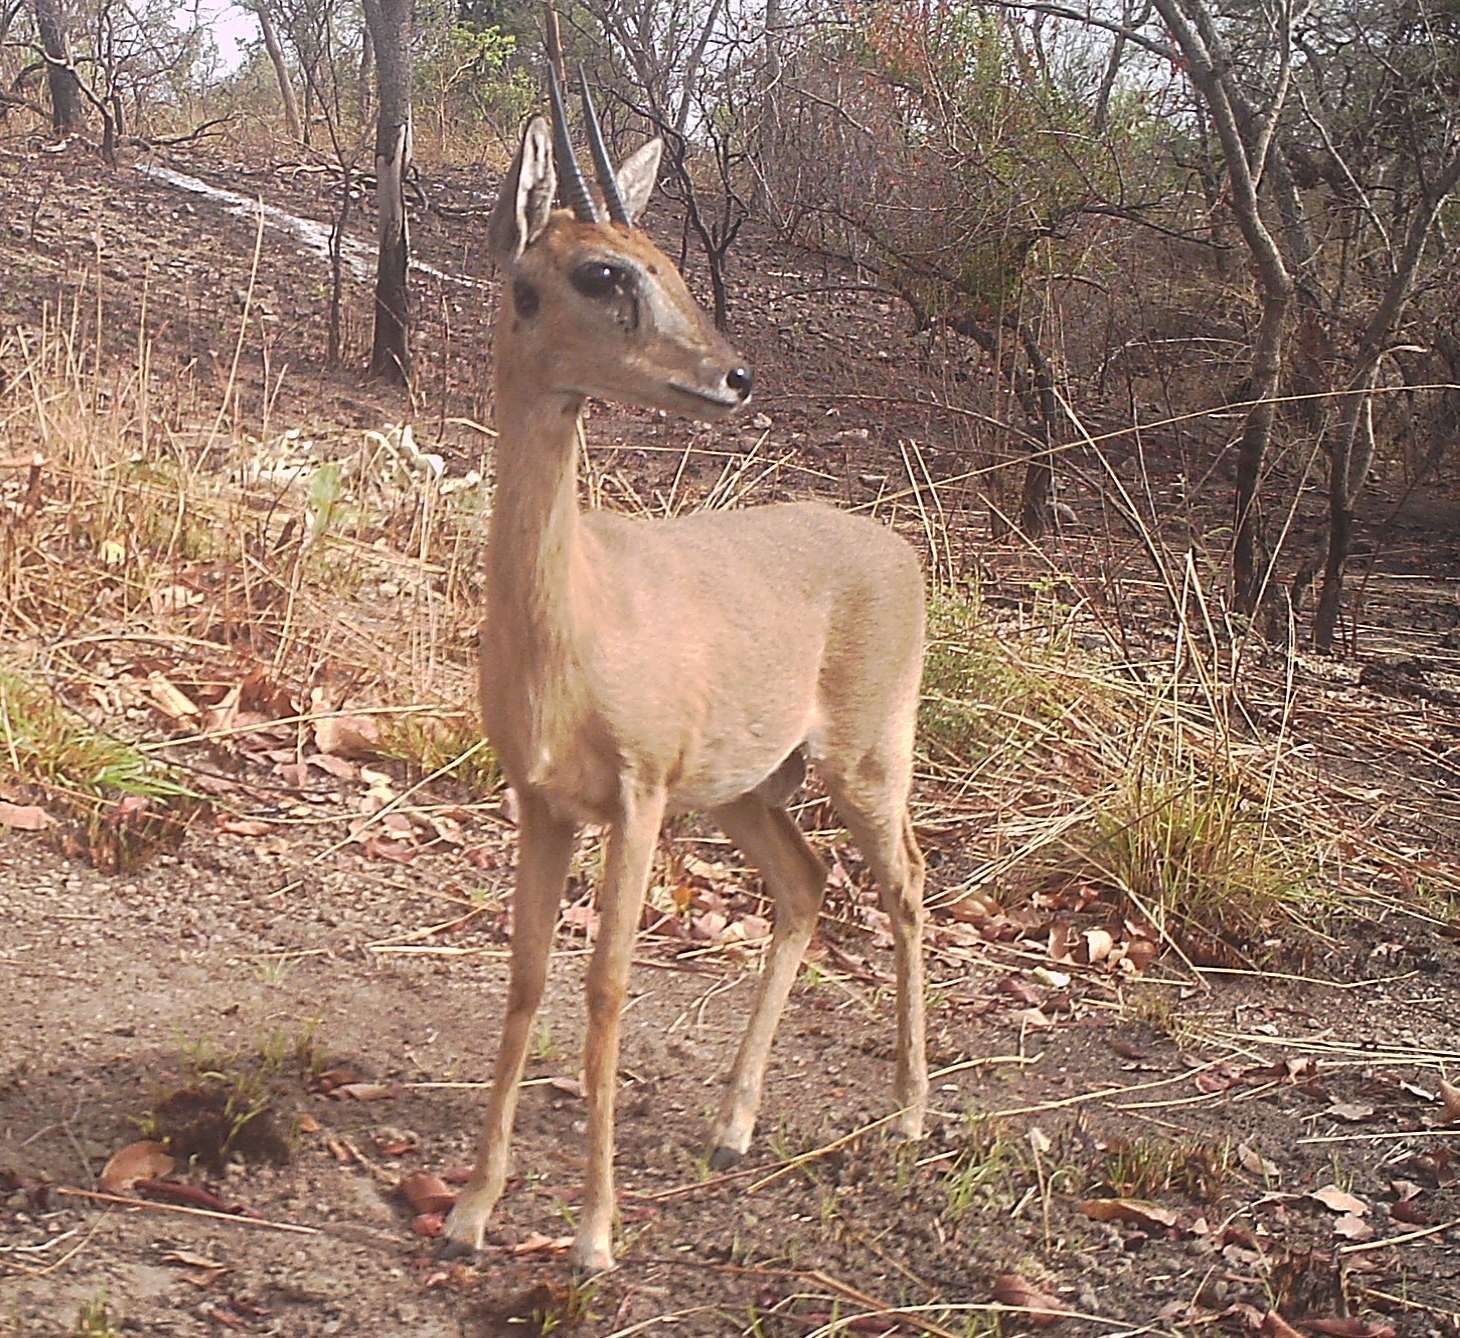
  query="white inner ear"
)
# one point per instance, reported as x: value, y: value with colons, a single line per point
x: 526, y: 202
x: 637, y: 175
x: 537, y: 182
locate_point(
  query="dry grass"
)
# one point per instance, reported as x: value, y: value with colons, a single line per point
x: 147, y: 528
x: 151, y: 527
x: 1114, y: 776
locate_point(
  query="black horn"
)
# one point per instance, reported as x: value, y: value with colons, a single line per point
x: 607, y: 181
x: 571, y: 187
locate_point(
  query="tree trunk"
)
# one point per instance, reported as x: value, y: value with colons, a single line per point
x: 692, y: 69
x: 281, y: 70
x: 770, y: 116
x: 1248, y: 575
x: 1246, y: 139
x: 367, y: 71
x: 390, y: 29
x: 60, y: 77
x: 1352, y: 453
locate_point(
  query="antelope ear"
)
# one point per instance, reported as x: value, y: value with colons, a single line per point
x: 637, y: 175
x: 526, y: 201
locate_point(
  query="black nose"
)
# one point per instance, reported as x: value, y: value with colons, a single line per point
x: 740, y: 380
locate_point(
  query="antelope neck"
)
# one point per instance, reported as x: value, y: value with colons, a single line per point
x: 534, y: 545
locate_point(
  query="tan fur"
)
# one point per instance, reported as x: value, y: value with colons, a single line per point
x: 631, y: 668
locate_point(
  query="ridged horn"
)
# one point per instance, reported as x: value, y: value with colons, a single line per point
x: 607, y: 181
x: 572, y: 189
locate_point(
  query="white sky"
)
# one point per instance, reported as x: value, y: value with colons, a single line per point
x: 233, y: 29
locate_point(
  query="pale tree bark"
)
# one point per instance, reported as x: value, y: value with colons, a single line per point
x: 1246, y: 138
x: 692, y: 69
x: 281, y: 69
x: 367, y: 71
x: 770, y: 117
x: 390, y: 30
x: 60, y: 77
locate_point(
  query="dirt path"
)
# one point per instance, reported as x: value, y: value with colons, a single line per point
x: 116, y: 986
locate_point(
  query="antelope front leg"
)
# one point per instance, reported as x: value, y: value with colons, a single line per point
x: 544, y: 847
x: 626, y: 872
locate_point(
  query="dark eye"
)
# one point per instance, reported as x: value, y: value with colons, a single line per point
x: 596, y: 279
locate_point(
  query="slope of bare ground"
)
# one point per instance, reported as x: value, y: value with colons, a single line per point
x: 1136, y: 1149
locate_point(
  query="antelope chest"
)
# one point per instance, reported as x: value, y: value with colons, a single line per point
x: 550, y: 746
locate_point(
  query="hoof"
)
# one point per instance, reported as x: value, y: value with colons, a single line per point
x: 723, y: 1158
x: 588, y: 1262
x: 455, y: 1249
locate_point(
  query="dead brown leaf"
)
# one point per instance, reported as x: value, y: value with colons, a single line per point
x: 536, y: 1243
x: 1012, y: 1289
x: 145, y: 1159
x: 1351, y: 1227
x: 1016, y: 987
x: 1450, y: 1096
x: 1137, y: 1212
x: 347, y: 736
x: 24, y: 817
x: 1275, y: 1326
x: 1339, y: 1201
x: 1255, y: 1162
x: 365, y: 1091
x: 426, y: 1193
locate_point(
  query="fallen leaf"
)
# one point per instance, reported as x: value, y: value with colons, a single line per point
x: 1138, y: 1212
x: 24, y: 817
x: 244, y: 826
x: 1409, y: 1212
x: 1353, y: 1228
x: 1350, y: 1112
x: 145, y: 1159
x: 190, y: 1260
x: 1450, y: 1096
x: 1339, y: 1201
x: 388, y: 848
x: 1011, y: 1289
x: 1018, y: 988
x: 307, y: 1124
x: 1275, y: 1326
x: 1098, y: 945
x: 536, y: 1243
x: 334, y: 766
x: 972, y: 909
x: 1255, y: 1162
x: 365, y: 1091
x: 1058, y: 980
x: 1141, y: 952
x: 348, y: 736
x: 426, y: 1193
x: 329, y: 1079
x: 171, y: 700
x: 430, y: 1225
x: 1219, y: 1078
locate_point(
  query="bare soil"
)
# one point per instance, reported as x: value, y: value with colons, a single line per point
x: 1219, y: 1107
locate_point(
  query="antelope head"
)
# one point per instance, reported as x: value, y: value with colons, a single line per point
x: 592, y: 306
